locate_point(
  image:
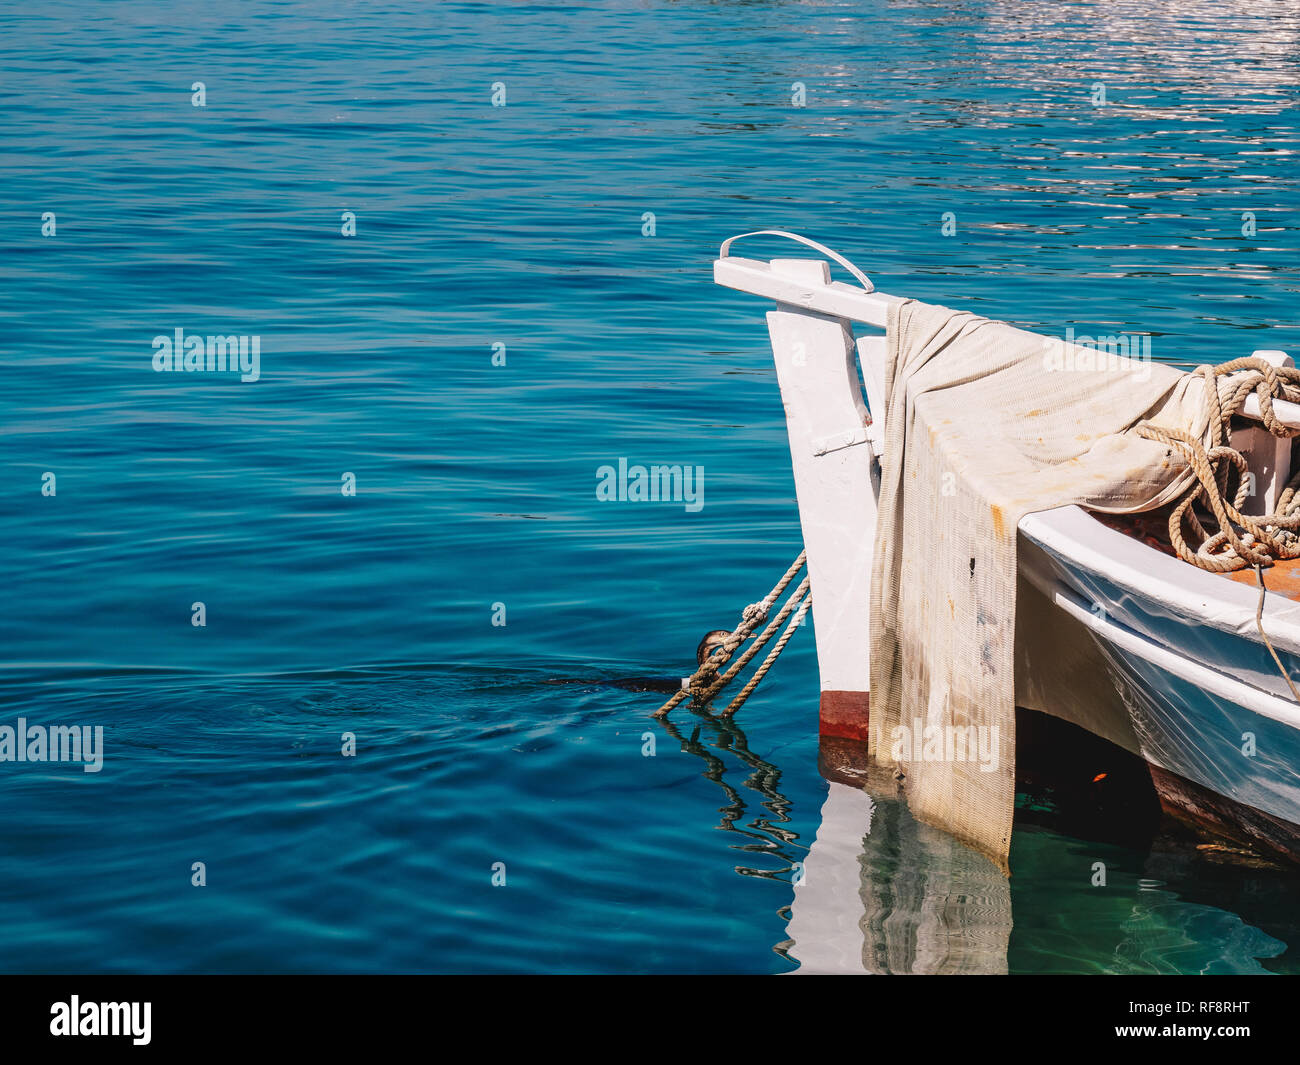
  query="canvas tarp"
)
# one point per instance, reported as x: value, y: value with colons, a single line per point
x: 986, y: 423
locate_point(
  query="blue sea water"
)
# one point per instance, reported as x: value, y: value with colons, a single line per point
x: 1172, y: 210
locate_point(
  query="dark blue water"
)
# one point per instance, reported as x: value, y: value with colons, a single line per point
x: 477, y: 226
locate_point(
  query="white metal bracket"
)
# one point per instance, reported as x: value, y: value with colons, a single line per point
x: 839, y: 441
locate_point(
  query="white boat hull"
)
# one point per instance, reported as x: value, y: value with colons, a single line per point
x: 1183, y: 678
x: 1131, y: 644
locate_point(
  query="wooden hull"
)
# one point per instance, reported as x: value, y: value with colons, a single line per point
x: 1221, y: 819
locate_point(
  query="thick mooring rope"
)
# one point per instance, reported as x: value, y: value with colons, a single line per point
x: 706, y: 682
x: 1239, y: 540
x: 772, y: 656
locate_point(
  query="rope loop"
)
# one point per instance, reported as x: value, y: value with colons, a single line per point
x: 1233, y: 540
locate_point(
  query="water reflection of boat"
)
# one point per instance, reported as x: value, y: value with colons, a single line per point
x: 884, y: 893
x: 879, y: 892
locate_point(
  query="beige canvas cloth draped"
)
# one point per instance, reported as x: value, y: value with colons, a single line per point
x: 986, y: 423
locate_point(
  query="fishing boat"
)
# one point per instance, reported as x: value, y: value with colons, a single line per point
x: 1115, y: 634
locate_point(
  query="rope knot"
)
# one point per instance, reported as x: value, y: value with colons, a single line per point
x: 707, y: 681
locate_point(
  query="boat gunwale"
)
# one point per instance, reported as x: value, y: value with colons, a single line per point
x: 1072, y: 533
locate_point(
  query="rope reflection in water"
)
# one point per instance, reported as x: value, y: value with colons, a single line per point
x: 878, y: 891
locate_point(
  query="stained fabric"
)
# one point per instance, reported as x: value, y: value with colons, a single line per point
x: 986, y: 423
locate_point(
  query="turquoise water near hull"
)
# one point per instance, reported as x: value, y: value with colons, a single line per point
x: 523, y: 226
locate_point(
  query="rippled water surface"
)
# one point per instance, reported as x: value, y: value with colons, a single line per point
x: 522, y: 226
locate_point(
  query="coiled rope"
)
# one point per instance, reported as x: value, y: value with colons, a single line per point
x: 707, y: 681
x: 1239, y: 540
